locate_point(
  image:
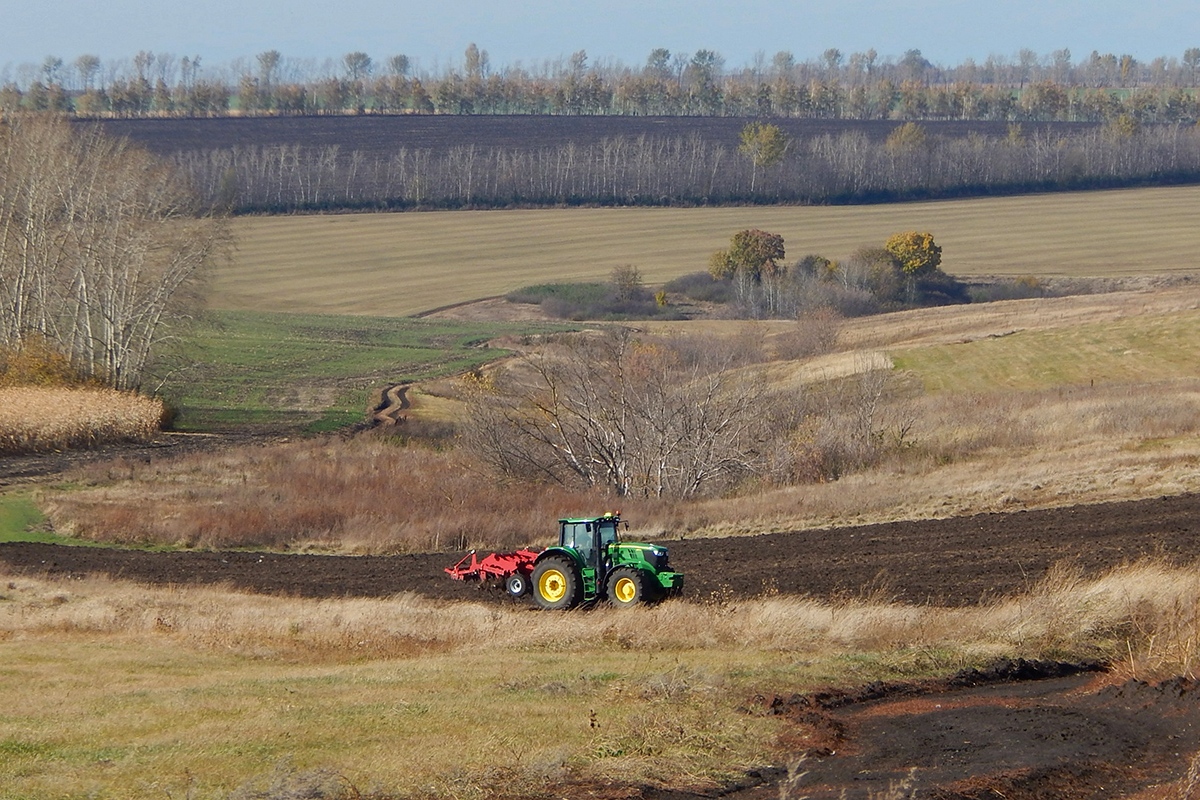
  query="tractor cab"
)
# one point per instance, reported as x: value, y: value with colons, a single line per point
x: 591, y: 562
x: 589, y: 537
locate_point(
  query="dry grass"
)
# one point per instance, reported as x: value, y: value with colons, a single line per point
x: 973, y: 454
x: 398, y: 264
x: 197, y: 691
x: 996, y: 408
x: 35, y: 419
x: 1143, y: 617
x: 362, y: 496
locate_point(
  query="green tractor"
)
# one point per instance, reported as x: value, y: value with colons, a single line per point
x: 591, y: 562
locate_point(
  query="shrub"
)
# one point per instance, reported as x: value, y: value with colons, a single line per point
x: 36, y: 363
x: 701, y: 287
x: 1007, y: 289
x: 622, y: 298
x: 814, y: 334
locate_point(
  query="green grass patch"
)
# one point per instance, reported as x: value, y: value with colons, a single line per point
x: 19, y: 515
x: 573, y: 293
x: 313, y: 372
x: 22, y: 521
x: 1141, y: 350
x: 592, y: 301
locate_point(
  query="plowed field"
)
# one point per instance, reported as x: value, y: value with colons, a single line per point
x: 381, y: 134
x: 956, y: 561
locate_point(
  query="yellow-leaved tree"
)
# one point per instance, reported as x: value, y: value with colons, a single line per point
x: 915, y: 252
x: 765, y: 145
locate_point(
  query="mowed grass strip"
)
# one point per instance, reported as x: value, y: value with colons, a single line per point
x: 402, y: 264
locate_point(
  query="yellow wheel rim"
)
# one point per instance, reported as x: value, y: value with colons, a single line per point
x: 625, y: 590
x: 552, y: 585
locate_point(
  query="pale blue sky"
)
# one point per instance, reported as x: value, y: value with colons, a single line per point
x: 435, y: 34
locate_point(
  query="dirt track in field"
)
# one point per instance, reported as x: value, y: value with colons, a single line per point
x: 994, y: 735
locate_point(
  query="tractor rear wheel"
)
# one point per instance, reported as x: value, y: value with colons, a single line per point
x: 556, y: 585
x: 517, y: 585
x: 627, y: 588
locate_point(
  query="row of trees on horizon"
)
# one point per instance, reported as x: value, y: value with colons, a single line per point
x: 835, y: 86
x: 650, y: 170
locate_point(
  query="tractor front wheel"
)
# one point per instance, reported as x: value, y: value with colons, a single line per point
x: 555, y: 584
x: 627, y: 588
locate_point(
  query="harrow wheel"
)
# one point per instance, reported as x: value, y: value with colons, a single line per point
x: 626, y: 588
x: 516, y: 585
x: 555, y: 584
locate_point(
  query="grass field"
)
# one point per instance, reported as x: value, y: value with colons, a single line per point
x: 115, y: 690
x: 1133, y: 352
x: 313, y: 371
x: 401, y: 264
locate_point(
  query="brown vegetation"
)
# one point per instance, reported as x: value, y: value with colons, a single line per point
x: 1144, y: 618
x: 38, y: 419
x: 365, y: 495
x: 47, y: 405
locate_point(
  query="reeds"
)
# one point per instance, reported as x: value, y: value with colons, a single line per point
x: 40, y: 419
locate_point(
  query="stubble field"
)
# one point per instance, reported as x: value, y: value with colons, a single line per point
x: 408, y: 263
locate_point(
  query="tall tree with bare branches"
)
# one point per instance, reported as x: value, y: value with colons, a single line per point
x: 632, y: 415
x: 101, y: 246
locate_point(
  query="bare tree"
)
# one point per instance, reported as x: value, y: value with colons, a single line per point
x: 99, y: 246
x: 633, y: 415
x: 358, y: 65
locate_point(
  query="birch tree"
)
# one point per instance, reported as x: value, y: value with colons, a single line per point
x: 101, y: 246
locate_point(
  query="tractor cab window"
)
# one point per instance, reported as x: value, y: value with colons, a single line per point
x: 582, y: 537
x: 608, y: 532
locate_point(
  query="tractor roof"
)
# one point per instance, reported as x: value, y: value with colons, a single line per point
x: 607, y: 515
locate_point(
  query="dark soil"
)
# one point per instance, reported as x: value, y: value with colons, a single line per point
x: 385, y: 135
x: 958, y: 561
x: 989, y: 734
x: 32, y: 468
x: 1059, y: 737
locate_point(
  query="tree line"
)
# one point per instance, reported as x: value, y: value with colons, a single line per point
x: 101, y: 248
x: 861, y: 85
x: 642, y: 170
